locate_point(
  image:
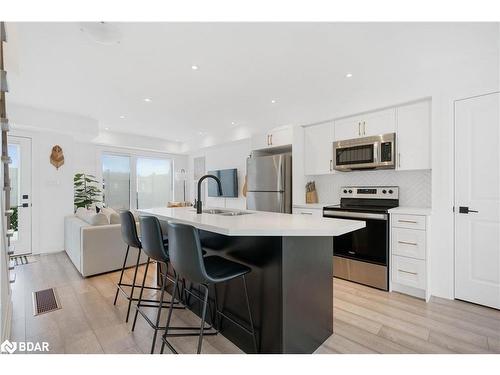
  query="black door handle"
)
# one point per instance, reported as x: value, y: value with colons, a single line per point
x: 24, y: 205
x: 465, y: 210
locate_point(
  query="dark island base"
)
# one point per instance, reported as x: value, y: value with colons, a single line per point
x: 290, y: 290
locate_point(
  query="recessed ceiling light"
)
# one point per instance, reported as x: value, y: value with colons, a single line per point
x: 233, y: 123
x: 194, y: 67
x: 106, y: 128
x: 147, y: 100
x: 122, y: 117
x: 201, y: 133
x: 273, y: 101
x: 348, y: 75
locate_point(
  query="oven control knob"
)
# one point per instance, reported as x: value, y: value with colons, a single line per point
x: 390, y: 192
x: 384, y: 191
x: 345, y: 191
x: 350, y: 191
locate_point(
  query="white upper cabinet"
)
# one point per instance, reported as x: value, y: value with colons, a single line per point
x: 274, y: 138
x: 281, y: 137
x: 374, y: 123
x: 410, y: 122
x: 318, y: 149
x: 347, y: 128
x: 413, y: 136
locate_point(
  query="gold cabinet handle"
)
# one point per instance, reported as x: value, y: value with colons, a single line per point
x: 408, y: 221
x: 271, y: 139
x: 268, y: 139
x: 306, y: 213
x: 359, y: 128
x: 411, y: 273
x: 408, y: 243
x: 364, y: 128
x: 331, y: 165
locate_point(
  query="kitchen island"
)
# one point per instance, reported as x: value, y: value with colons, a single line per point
x: 290, y: 286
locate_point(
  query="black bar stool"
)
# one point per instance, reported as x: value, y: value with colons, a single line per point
x: 156, y: 249
x: 131, y: 239
x: 186, y: 257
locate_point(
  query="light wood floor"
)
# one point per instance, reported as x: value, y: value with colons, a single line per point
x: 366, y: 320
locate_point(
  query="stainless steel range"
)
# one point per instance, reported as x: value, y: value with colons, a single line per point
x: 363, y: 256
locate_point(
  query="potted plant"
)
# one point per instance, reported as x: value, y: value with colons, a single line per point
x: 86, y: 191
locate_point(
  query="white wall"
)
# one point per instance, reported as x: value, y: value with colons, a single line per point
x: 229, y: 155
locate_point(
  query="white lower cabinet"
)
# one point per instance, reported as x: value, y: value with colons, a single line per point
x: 408, y: 242
x: 409, y: 261
x: 409, y: 271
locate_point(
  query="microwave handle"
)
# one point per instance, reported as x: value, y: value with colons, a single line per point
x: 377, y: 152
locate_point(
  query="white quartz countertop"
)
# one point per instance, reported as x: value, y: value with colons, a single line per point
x: 257, y: 223
x: 425, y: 211
x: 314, y: 206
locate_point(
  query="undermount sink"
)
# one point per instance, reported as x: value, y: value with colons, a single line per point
x: 235, y: 213
x: 215, y: 211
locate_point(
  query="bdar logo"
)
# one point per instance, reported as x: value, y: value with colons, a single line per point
x: 8, y: 347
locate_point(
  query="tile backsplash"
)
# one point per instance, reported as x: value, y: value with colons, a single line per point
x: 414, y: 186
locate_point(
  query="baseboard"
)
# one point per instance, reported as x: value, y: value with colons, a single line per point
x: 419, y: 293
x: 7, y: 324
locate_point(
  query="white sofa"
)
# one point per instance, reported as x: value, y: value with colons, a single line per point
x: 96, y: 249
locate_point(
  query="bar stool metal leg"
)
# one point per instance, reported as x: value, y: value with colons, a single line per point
x: 133, y: 284
x: 121, y: 275
x: 203, y: 313
x: 158, y: 314
x: 170, y: 310
x: 141, y: 292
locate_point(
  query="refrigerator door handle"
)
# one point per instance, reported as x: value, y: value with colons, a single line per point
x: 281, y: 174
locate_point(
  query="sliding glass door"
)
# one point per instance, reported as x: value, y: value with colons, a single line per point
x: 136, y: 181
x: 154, y: 182
x: 116, y: 181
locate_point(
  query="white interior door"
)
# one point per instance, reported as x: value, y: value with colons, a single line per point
x: 477, y: 200
x: 20, y: 198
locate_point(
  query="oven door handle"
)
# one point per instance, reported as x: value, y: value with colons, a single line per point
x: 355, y: 215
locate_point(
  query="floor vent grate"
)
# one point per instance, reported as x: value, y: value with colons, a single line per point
x: 45, y: 301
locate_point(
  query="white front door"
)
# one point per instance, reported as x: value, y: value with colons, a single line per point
x: 20, y: 198
x: 477, y: 200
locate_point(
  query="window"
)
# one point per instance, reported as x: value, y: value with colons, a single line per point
x: 116, y: 181
x: 131, y: 181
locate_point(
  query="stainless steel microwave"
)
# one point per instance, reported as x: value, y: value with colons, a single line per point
x: 376, y: 152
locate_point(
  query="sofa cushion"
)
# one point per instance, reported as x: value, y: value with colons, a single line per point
x: 91, y: 217
x: 111, y: 214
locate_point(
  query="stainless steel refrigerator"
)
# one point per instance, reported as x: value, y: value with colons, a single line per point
x: 269, y: 183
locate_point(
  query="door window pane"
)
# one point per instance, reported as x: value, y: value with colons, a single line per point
x: 154, y: 182
x: 116, y: 181
x: 15, y: 196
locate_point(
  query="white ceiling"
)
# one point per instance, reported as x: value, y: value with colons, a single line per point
x: 242, y: 67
